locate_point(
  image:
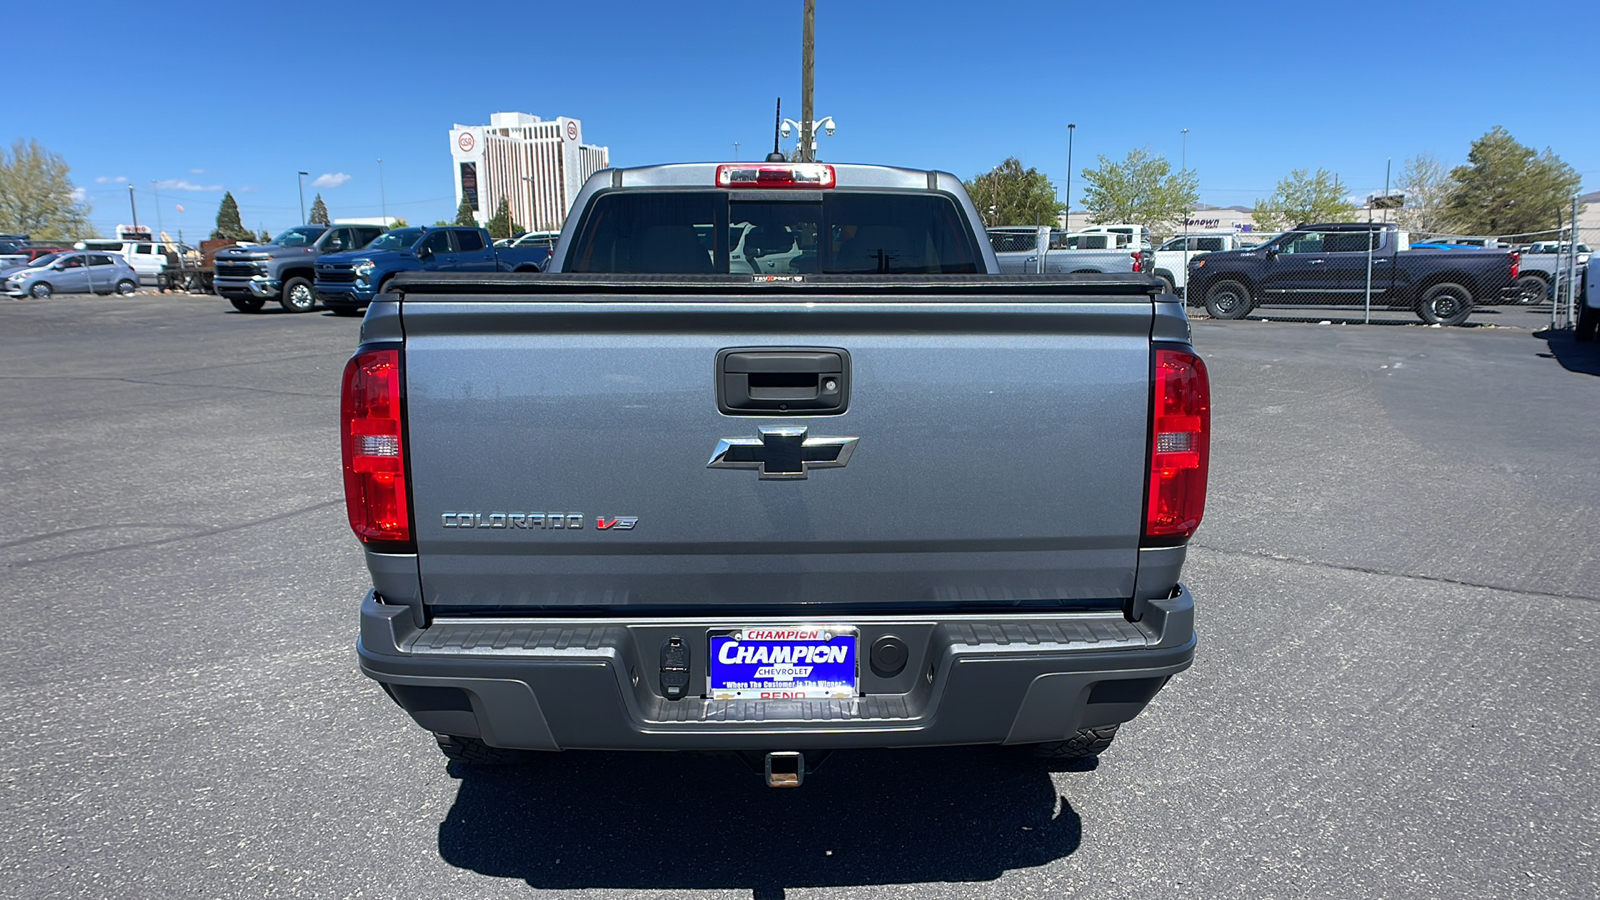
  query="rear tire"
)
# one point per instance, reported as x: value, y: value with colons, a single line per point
x: 1446, y: 303
x: 298, y: 296
x: 474, y: 752
x: 41, y: 290
x: 1086, y: 743
x: 1532, y: 290
x: 1229, y: 299
x: 125, y: 287
x: 247, y: 304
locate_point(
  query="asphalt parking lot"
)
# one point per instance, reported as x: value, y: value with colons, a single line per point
x: 1396, y: 694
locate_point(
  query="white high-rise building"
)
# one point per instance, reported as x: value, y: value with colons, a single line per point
x: 537, y: 165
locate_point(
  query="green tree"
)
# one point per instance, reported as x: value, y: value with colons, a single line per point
x: 229, y: 228
x: 37, y: 196
x: 500, y: 225
x: 442, y: 223
x: 464, y: 215
x: 319, y: 212
x: 1008, y: 194
x: 1305, y: 197
x: 265, y: 237
x: 1507, y: 189
x: 1141, y: 189
x: 1425, y: 182
x: 401, y: 223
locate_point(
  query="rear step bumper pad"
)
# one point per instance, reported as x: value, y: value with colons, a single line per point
x: 552, y: 684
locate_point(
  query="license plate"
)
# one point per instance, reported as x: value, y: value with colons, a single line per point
x: 784, y: 663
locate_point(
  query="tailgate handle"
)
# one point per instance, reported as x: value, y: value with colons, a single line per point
x: 777, y: 380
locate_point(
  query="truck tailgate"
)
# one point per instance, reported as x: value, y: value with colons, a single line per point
x: 999, y: 455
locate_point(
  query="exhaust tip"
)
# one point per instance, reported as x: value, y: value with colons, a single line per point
x: 785, y: 769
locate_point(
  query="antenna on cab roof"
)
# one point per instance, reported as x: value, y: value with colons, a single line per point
x: 777, y: 122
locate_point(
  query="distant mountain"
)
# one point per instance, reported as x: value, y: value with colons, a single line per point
x: 1589, y: 198
x: 1243, y: 209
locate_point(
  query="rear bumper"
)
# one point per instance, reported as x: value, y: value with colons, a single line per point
x: 553, y: 684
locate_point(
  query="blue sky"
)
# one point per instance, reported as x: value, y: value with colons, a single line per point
x: 201, y: 97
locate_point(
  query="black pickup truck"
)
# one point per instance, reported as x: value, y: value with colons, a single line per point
x: 1327, y: 265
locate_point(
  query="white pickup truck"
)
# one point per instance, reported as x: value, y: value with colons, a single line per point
x: 1542, y: 262
x: 1171, y: 265
x: 1028, y: 250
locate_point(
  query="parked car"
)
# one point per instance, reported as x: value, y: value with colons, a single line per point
x: 15, y: 267
x: 1172, y: 258
x: 77, y: 272
x: 555, y: 562
x: 285, y: 269
x: 1327, y: 265
x: 147, y: 258
x: 1542, y: 262
x: 1019, y: 251
x: 347, y: 282
x: 1134, y: 235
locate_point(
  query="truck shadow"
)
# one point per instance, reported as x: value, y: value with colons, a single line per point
x: 705, y: 821
x: 1565, y: 349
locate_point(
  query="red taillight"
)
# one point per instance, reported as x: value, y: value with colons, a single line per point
x: 1180, y: 445
x: 374, y: 448
x: 1516, y: 264
x: 1138, y: 263
x: 790, y: 175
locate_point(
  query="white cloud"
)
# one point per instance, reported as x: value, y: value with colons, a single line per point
x: 79, y: 195
x: 104, y: 179
x: 180, y: 184
x: 197, y: 171
x: 330, y: 180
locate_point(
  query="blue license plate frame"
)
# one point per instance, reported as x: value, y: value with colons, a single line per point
x: 787, y: 662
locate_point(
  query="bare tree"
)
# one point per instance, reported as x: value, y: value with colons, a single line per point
x: 1426, y: 183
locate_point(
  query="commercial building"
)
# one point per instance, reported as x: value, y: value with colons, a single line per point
x: 536, y: 165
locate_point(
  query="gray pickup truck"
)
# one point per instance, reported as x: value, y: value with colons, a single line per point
x: 285, y: 269
x: 663, y: 498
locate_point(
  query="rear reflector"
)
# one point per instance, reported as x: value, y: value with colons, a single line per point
x: 374, y: 456
x: 792, y: 175
x: 1180, y: 445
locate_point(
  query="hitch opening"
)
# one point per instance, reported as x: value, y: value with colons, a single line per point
x: 785, y: 769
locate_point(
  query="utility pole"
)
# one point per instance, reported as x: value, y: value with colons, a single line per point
x: 777, y: 130
x: 383, y: 197
x: 735, y: 151
x: 302, y: 180
x: 133, y: 206
x: 160, y: 229
x: 808, y: 48
x: 1071, y: 129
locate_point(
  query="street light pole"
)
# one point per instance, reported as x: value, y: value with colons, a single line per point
x: 735, y: 151
x: 133, y: 206
x: 383, y: 197
x: 1183, y: 169
x: 303, y: 197
x: 160, y: 229
x: 1071, y: 129
x: 808, y: 43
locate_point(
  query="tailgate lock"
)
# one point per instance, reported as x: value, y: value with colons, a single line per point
x: 778, y: 380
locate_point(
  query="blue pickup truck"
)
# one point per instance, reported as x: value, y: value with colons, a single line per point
x: 347, y: 282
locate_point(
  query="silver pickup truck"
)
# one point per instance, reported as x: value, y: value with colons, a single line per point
x: 663, y: 498
x: 1043, y: 250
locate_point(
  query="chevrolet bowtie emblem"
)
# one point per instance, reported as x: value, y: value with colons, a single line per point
x: 782, y: 453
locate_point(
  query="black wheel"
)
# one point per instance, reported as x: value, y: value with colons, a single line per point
x: 1228, y: 300
x: 1445, y: 304
x: 1086, y: 743
x: 247, y: 304
x: 298, y: 296
x: 1531, y: 289
x: 126, y: 287
x: 348, y: 311
x: 40, y: 290
x: 474, y: 752
x: 1165, y: 281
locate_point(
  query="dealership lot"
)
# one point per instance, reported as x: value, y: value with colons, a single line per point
x: 1395, y: 694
